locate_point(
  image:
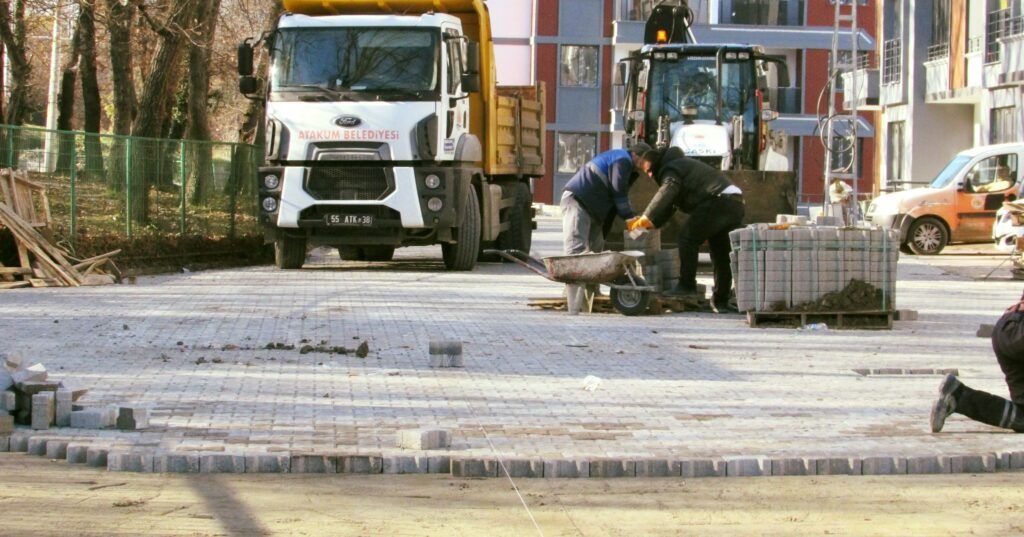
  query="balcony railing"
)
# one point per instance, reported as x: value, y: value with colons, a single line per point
x: 760, y: 13
x: 892, y: 60
x: 938, y: 51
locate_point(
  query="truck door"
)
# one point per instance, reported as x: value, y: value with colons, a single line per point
x: 455, y: 104
x: 989, y: 182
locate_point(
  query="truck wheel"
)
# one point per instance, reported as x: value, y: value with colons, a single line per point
x: 628, y: 301
x: 378, y: 253
x: 927, y: 236
x: 462, y: 254
x: 289, y: 254
x: 519, y: 235
x: 350, y: 253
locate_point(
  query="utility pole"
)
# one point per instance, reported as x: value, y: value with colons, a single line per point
x: 49, y: 156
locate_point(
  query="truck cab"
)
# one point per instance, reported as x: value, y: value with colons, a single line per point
x: 959, y: 205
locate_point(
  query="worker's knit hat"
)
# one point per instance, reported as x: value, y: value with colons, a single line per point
x: 639, y: 148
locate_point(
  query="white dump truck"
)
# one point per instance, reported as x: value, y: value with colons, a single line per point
x: 385, y: 128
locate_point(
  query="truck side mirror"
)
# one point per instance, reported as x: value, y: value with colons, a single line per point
x: 247, y: 85
x: 245, y: 59
x: 781, y: 70
x: 471, y: 77
x: 471, y: 82
x: 619, y: 78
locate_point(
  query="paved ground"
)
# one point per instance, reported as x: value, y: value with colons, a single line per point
x: 673, y: 386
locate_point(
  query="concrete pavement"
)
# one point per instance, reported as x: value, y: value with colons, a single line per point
x: 693, y: 386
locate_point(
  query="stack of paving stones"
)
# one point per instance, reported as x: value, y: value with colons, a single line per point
x: 659, y: 268
x: 776, y: 269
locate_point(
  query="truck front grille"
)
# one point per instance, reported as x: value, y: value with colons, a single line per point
x: 348, y: 183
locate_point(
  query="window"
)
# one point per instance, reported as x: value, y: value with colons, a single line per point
x: 765, y: 12
x: 1003, y: 125
x: 998, y: 27
x: 895, y: 169
x: 940, y: 31
x: 455, y: 60
x: 993, y: 174
x: 843, y: 153
x: 892, y: 58
x: 579, y: 66
x: 574, y: 150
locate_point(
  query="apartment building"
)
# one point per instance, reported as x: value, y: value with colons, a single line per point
x: 951, y: 77
x: 576, y: 43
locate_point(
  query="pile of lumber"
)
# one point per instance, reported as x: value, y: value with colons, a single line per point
x: 25, y: 213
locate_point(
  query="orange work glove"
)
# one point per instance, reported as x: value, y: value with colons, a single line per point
x: 640, y: 222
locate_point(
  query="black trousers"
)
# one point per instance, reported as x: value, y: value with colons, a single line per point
x: 710, y: 221
x: 1008, y: 344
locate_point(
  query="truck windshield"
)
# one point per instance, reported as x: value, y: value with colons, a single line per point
x: 949, y: 172
x: 692, y: 81
x: 333, y: 64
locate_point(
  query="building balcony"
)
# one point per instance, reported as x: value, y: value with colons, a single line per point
x: 631, y: 33
x: 1012, y: 60
x: 864, y: 93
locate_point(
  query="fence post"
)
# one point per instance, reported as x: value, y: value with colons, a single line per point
x: 181, y: 176
x: 74, y: 191
x: 128, y: 187
x: 233, y: 180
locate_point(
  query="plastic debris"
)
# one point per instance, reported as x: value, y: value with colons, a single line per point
x: 590, y: 383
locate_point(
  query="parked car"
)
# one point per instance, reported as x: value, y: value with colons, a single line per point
x: 959, y: 205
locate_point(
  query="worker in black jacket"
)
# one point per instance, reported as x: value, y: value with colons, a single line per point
x: 955, y: 396
x: 714, y: 206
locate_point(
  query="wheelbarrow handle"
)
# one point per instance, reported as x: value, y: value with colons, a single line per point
x: 522, y: 259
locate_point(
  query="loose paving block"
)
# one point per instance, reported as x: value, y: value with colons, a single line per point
x: 129, y: 461
x: 176, y: 463
x: 5, y: 379
x: 446, y: 353
x: 314, y: 464
x: 94, y: 418
x: 522, y: 468
x: 1016, y: 460
x: 360, y: 464
x: 42, y: 410
x: 76, y: 453
x: 221, y: 463
x: 96, y: 456
x: 75, y: 387
x: 746, y: 467
x: 838, y: 466
x: 405, y: 465
x: 793, y: 466
x: 267, y: 464
x: 57, y: 449
x: 19, y: 443
x: 883, y: 466
x: 906, y: 315
x: 566, y: 468
x: 475, y: 468
x: 37, y: 446
x: 62, y: 411
x: 8, y: 401
x: 35, y: 373
x: 702, y: 468
x: 5, y: 444
x: 973, y: 464
x: 612, y: 468
x: 934, y: 464
x: 424, y: 439
x: 132, y: 418
x: 6, y: 424
x: 657, y: 468
x: 439, y: 464
x: 985, y: 330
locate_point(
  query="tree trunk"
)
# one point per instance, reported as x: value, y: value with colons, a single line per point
x: 198, y: 96
x: 66, y: 107
x: 155, y: 92
x: 119, y: 31
x: 90, y: 86
x: 12, y: 31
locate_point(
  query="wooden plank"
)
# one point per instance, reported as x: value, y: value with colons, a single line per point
x: 15, y: 271
x: 91, y: 260
x: 46, y: 254
x: 869, y: 320
x: 14, y: 285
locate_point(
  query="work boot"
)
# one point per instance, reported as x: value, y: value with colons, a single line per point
x: 946, y: 403
x: 684, y: 293
x: 719, y: 305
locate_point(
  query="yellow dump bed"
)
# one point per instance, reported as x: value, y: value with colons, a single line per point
x: 509, y: 121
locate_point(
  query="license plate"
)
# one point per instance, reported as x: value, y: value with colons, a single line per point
x: 359, y: 220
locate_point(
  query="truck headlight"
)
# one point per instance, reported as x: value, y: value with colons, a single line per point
x: 269, y: 204
x: 432, y: 181
x: 435, y: 204
x: 271, y: 181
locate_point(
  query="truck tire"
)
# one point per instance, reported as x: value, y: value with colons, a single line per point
x: 519, y: 235
x: 350, y: 253
x: 378, y: 253
x: 289, y: 254
x: 927, y: 236
x: 462, y: 254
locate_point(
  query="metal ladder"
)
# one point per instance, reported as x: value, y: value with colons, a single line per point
x: 836, y: 126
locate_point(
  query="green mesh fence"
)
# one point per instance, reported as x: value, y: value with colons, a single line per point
x: 151, y: 197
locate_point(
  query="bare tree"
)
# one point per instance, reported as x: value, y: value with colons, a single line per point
x: 198, y: 95
x: 119, y: 31
x: 90, y: 86
x: 12, y: 31
x: 66, y: 105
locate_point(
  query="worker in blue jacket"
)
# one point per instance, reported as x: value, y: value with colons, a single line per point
x: 592, y: 198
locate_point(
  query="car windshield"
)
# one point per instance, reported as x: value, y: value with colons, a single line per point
x: 355, y: 63
x: 949, y: 172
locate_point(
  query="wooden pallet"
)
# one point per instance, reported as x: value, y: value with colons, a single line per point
x: 603, y: 304
x: 864, y: 320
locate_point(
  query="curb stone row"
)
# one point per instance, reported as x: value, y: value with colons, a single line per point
x: 128, y: 459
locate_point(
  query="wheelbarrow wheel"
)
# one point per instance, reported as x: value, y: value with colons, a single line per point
x: 630, y: 301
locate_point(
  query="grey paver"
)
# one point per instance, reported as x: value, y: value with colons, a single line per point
x: 702, y: 468
x: 612, y: 468
x: 405, y: 464
x: 267, y: 463
x: 221, y: 463
x: 973, y: 464
x: 62, y: 408
x: 96, y: 456
x: 37, y: 446
x: 928, y: 464
x: 658, y: 468
x: 314, y: 464
x: 5, y: 444
x: 57, y: 449
x: 360, y: 464
x: 747, y: 467
x: 19, y: 443
x: 838, y: 466
x: 793, y: 466
x: 176, y: 463
x: 522, y: 468
x: 474, y: 468
x: 42, y: 410
x: 130, y: 461
x: 77, y: 453
x: 566, y: 468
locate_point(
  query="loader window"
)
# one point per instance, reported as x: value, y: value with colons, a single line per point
x: 692, y: 82
x: 356, y: 64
